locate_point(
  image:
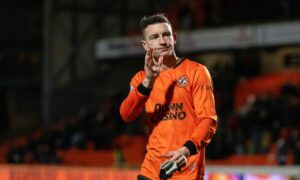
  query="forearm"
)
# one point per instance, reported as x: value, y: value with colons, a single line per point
x: 134, y: 103
x: 202, y: 135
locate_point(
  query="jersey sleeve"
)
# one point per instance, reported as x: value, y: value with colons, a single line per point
x: 134, y: 103
x: 204, y: 103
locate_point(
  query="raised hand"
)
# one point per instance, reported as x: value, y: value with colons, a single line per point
x: 151, y: 67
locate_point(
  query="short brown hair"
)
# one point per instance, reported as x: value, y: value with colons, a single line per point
x: 154, y: 19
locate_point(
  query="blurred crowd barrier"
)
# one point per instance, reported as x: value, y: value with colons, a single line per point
x: 34, y: 172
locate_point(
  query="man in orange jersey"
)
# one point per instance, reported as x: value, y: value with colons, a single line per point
x: 177, y: 95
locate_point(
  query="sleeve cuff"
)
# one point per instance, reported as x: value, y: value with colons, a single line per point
x: 191, y: 147
x: 143, y: 90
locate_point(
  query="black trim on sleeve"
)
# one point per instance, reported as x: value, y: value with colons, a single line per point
x: 191, y: 147
x: 143, y: 90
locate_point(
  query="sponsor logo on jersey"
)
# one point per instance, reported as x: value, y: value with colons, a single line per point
x: 173, y: 111
x: 182, y: 81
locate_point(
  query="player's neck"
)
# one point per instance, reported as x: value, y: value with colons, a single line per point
x: 170, y: 62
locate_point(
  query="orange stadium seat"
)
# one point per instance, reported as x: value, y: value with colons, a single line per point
x: 266, y: 84
x: 133, y: 148
x: 88, y: 157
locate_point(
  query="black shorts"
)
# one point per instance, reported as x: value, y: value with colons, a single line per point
x: 141, y: 177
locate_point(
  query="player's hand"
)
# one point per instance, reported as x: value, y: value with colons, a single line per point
x: 151, y: 67
x: 179, y: 156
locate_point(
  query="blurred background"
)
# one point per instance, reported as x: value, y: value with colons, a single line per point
x: 65, y: 67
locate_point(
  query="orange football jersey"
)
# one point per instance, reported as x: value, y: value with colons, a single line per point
x: 179, y: 108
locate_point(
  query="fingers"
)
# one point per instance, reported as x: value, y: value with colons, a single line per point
x: 159, y: 61
x: 149, y: 57
x: 152, y: 67
x: 168, y: 155
x: 174, y: 156
x: 150, y: 60
x: 180, y: 159
x: 155, y: 68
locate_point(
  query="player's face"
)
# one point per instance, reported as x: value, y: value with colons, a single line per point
x: 161, y: 38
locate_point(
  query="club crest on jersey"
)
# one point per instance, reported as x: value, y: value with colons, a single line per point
x: 182, y: 81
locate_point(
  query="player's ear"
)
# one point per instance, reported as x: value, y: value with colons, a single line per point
x: 144, y: 44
